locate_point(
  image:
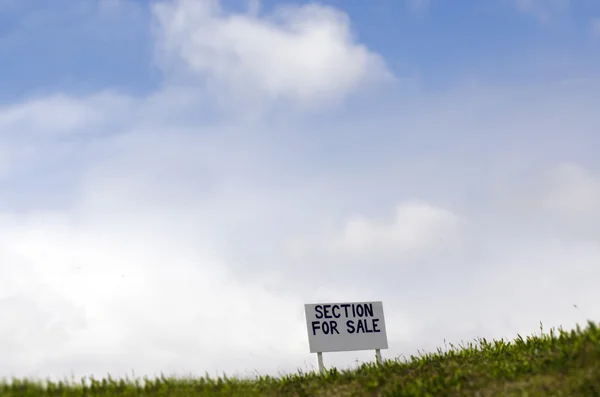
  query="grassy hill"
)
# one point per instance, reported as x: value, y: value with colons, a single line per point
x: 560, y: 363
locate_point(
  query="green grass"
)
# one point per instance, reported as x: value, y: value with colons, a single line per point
x: 559, y: 363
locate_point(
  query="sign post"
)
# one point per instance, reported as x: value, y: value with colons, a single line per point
x: 320, y: 362
x: 378, y: 356
x: 337, y: 327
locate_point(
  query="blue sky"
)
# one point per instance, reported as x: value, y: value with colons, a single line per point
x: 89, y: 47
x: 177, y: 178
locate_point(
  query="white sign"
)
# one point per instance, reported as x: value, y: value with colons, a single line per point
x: 335, y: 327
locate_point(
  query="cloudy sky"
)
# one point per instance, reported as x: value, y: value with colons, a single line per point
x: 178, y: 177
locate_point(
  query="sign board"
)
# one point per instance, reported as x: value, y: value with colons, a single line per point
x: 336, y: 327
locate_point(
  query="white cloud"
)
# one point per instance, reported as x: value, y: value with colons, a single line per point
x: 61, y: 115
x: 85, y: 286
x: 305, y: 54
x: 357, y: 253
x: 416, y: 228
x: 171, y: 227
x: 572, y: 192
x: 58, y: 115
x: 568, y: 198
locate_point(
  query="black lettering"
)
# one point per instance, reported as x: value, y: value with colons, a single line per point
x: 360, y: 327
x: 375, y: 325
x: 350, y: 326
x: 369, y: 309
x: 360, y: 310
x: 333, y: 326
x: 318, y: 310
x: 353, y: 310
x: 326, y: 311
x: 315, y: 326
x: 346, y: 306
x: 333, y: 311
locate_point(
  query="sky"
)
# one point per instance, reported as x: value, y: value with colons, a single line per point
x: 179, y: 177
